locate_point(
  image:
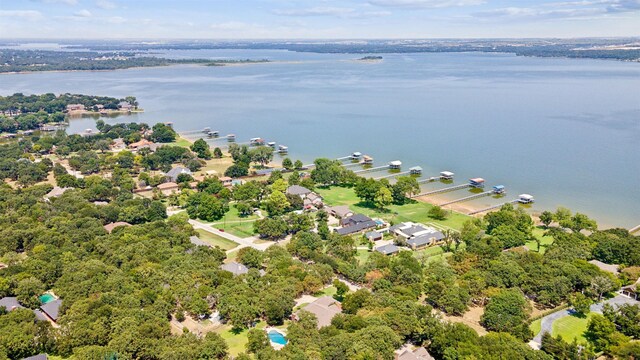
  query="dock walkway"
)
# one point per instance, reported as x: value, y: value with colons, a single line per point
x: 493, y: 207
x: 470, y: 197
x: 440, y: 191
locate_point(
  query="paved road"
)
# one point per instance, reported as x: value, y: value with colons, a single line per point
x: 547, y: 321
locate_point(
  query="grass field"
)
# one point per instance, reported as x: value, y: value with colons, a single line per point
x: 571, y: 327
x: 414, y: 211
x: 180, y: 142
x: 236, y: 340
x: 236, y: 224
x: 215, y: 240
x: 544, y: 240
x: 328, y: 291
x: 363, y: 256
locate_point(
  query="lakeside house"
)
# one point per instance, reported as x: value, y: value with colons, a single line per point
x: 135, y: 146
x: 417, y: 236
x: 367, y: 160
x: 75, y: 107
x: 111, y: 226
x: 388, y: 249
x: 340, y: 211
x: 355, y: 223
x: 125, y: 106
x: 226, y: 181
x: 56, y: 191
x: 117, y: 145
x: 172, y: 175
x: 298, y: 190
x: 324, y: 308
x: 235, y: 268
x: 311, y: 200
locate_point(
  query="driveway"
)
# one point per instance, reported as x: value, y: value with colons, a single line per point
x: 547, y: 321
x: 242, y: 242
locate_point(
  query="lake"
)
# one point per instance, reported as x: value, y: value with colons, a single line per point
x: 564, y: 130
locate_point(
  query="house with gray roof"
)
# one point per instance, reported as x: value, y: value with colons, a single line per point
x: 388, y: 249
x: 298, y: 190
x: 340, y: 211
x: 406, y: 353
x: 56, y: 191
x: 324, y: 308
x: 52, y: 309
x: 197, y: 241
x: 11, y: 303
x: 373, y: 236
x: 235, y: 268
x: 37, y: 357
x: 172, y: 175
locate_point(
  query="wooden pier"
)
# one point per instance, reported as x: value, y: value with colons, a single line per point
x: 377, y: 168
x: 392, y: 175
x: 429, y: 179
x: 634, y: 229
x: 493, y: 207
x: 470, y: 197
x: 440, y: 191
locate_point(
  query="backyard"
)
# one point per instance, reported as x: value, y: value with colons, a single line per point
x: 215, y: 240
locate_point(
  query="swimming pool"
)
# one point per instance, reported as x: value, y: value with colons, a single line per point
x: 277, y: 337
x: 46, y: 298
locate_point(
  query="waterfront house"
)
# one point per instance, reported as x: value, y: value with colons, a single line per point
x: 354, y: 224
x: 324, y: 308
x: 109, y: 227
x: 235, y: 268
x: 75, y: 107
x: 172, y: 175
x: 125, y: 106
x: 388, y: 249
x: 140, y: 144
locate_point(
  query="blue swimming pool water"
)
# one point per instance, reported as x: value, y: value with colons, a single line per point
x: 277, y: 337
x: 45, y: 298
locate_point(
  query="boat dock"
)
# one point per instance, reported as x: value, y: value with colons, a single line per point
x: 634, y: 229
x: 377, y: 168
x: 440, y: 191
x: 497, y: 190
x: 391, y: 175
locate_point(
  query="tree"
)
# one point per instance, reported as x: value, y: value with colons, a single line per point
x: 581, y: 304
x: 28, y: 291
x: 257, y: 340
x: 276, y: 204
x: 366, y: 189
x: 341, y: 289
x: 201, y: 148
x: 600, y: 331
x: 250, y: 257
x: 271, y: 228
x: 546, y: 218
x: 507, y: 311
x: 163, y: 133
x: 237, y: 170
x: 298, y: 165
x: 287, y: 164
x: 383, y: 198
x: 205, y: 207
x: 217, y: 153
x: 261, y: 155
x: 405, y: 187
x: 437, y: 213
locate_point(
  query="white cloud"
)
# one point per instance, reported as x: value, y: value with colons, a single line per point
x: 230, y: 26
x: 316, y: 11
x: 564, y: 10
x: 426, y: 3
x: 30, y: 15
x: 68, y: 2
x: 84, y: 13
x: 116, y: 20
x: 106, y: 4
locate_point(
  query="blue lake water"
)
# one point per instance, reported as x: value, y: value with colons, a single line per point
x: 564, y: 130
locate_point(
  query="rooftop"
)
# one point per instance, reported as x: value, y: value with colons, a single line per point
x: 110, y: 227
x: 297, y: 190
x: 324, y: 308
x: 52, y: 309
x: 611, y: 268
x: 235, y: 268
x: 388, y: 249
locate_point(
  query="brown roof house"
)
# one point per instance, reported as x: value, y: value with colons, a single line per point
x: 406, y: 353
x: 111, y: 226
x: 324, y: 308
x: 168, y: 188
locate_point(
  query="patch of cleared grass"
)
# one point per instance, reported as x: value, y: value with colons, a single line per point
x: 180, y: 141
x: 328, y: 291
x: 571, y: 327
x: 545, y: 241
x: 363, y: 256
x: 536, y: 326
x: 240, y: 229
x: 216, y: 240
x: 236, y: 340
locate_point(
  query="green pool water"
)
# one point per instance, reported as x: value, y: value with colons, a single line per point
x: 45, y: 298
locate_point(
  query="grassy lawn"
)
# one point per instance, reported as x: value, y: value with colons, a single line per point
x: 217, y: 165
x: 544, y: 240
x: 571, y: 327
x: 240, y: 229
x: 215, y: 240
x: 415, y: 211
x: 536, y: 326
x: 363, y: 256
x: 236, y: 340
x: 180, y: 142
x: 328, y: 291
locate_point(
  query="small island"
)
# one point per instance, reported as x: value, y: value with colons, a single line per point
x: 371, y: 58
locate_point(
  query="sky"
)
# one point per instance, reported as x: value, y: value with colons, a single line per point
x: 319, y: 19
